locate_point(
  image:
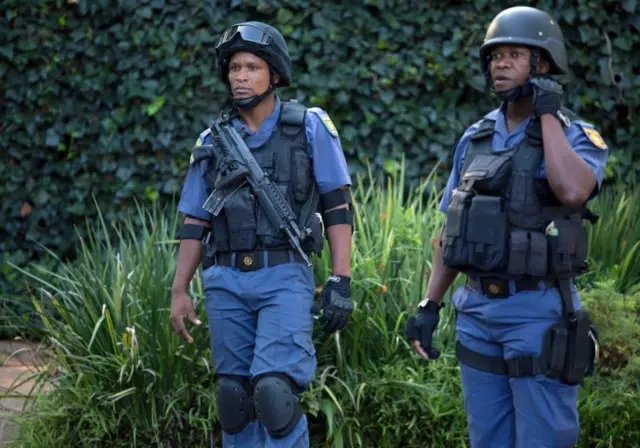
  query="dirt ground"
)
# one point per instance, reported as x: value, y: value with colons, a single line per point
x: 17, y: 362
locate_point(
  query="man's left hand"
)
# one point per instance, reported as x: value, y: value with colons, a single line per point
x: 547, y: 95
x: 335, y: 302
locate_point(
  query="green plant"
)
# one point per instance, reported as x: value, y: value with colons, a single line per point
x: 614, y: 241
x: 122, y: 377
x: 370, y: 388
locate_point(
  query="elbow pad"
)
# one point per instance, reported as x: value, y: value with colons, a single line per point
x: 192, y: 232
x: 335, y: 198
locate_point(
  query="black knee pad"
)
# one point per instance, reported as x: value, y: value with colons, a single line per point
x: 234, y: 403
x: 275, y: 397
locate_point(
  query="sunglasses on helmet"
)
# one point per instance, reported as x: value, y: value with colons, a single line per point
x: 248, y: 33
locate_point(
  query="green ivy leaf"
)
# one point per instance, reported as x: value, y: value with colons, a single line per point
x: 155, y: 106
x: 284, y: 16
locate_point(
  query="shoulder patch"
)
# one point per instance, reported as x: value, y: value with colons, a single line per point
x: 199, y: 142
x: 326, y: 121
x: 329, y: 124
x: 594, y: 136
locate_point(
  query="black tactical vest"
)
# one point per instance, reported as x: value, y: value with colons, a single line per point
x: 503, y: 222
x: 242, y: 225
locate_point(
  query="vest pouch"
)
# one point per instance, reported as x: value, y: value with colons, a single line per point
x: 241, y: 220
x: 270, y: 236
x: 527, y: 253
x: 570, y: 348
x: 300, y: 173
x: 487, y: 234
x: 220, y: 234
x: 490, y: 173
x: 315, y: 241
x: 454, y: 244
x: 518, y: 250
x: 567, y: 242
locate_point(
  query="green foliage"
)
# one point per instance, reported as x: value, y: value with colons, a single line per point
x: 614, y: 241
x: 370, y: 389
x: 617, y: 317
x: 122, y: 376
x: 105, y: 98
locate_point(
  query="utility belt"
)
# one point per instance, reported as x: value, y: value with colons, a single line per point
x: 569, y: 349
x: 501, y: 288
x: 251, y: 260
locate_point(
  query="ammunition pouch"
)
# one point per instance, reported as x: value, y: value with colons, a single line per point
x: 496, y: 226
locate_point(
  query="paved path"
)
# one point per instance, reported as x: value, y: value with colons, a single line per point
x: 14, y: 370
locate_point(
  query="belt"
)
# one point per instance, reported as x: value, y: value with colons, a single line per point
x: 498, y: 288
x: 253, y: 260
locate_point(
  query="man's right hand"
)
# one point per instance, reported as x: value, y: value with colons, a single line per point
x: 181, y: 307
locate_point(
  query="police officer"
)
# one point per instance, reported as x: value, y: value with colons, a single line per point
x: 515, y: 208
x: 259, y: 290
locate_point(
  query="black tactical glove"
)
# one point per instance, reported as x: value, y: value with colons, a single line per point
x: 547, y: 95
x: 421, y: 327
x: 335, y: 303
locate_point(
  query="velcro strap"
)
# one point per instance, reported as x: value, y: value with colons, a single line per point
x: 338, y: 216
x: 335, y: 198
x: 515, y: 367
x: 192, y: 232
x: 525, y: 366
x: 479, y: 361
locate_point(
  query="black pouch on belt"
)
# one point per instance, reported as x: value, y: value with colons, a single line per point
x: 570, y: 347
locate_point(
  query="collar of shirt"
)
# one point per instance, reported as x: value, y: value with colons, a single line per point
x: 258, y: 138
x: 502, y: 139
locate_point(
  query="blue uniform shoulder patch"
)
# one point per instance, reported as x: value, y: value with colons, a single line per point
x: 593, y: 135
x: 200, y: 141
x: 325, y: 120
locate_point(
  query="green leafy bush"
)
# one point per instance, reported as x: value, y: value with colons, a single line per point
x: 112, y: 389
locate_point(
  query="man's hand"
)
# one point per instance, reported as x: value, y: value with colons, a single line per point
x: 547, y: 95
x: 335, y: 303
x: 420, y: 330
x: 181, y: 307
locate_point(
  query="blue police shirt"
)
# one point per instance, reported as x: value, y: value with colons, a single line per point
x: 576, y: 135
x: 328, y: 161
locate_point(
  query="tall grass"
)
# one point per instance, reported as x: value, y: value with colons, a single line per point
x: 123, y: 378
x: 614, y: 241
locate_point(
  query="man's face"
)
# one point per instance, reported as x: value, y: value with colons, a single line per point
x: 248, y: 75
x: 510, y: 66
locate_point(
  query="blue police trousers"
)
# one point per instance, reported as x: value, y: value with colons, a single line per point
x: 536, y: 411
x: 260, y: 322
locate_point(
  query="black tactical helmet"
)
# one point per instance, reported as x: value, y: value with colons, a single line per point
x: 260, y: 39
x: 531, y: 27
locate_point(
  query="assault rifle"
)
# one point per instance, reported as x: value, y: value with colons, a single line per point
x: 235, y: 166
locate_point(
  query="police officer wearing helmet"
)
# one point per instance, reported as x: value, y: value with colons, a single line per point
x: 259, y: 290
x: 515, y: 206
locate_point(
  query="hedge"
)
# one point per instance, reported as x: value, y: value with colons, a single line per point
x: 104, y: 99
